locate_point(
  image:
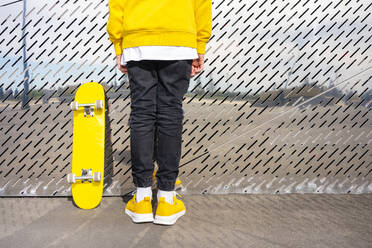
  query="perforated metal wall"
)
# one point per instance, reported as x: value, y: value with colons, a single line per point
x: 282, y: 105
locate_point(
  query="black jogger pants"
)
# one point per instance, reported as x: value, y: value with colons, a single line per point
x: 157, y: 88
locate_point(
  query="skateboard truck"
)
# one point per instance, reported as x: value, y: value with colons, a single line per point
x: 88, y: 110
x: 86, y: 175
x: 88, y: 107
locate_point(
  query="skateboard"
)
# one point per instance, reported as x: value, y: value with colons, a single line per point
x: 88, y: 145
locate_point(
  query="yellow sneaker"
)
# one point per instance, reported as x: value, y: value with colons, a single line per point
x: 167, y: 214
x: 140, y: 211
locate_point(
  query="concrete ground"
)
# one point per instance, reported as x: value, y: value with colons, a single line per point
x: 293, y: 220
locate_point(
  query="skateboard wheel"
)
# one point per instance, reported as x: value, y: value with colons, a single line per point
x: 97, y: 176
x: 71, y: 178
x: 99, y: 104
x: 74, y: 106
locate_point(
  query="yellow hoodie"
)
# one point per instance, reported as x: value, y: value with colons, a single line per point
x: 159, y: 23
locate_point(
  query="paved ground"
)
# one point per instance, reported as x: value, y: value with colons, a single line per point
x: 293, y: 220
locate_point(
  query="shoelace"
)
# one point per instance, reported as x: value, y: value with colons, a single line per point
x: 176, y: 193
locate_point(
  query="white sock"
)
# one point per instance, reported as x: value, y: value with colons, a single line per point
x: 142, y: 193
x: 168, y: 195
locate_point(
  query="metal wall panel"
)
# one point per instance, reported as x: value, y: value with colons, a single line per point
x: 282, y: 105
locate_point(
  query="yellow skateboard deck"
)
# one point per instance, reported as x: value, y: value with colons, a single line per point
x: 88, y: 145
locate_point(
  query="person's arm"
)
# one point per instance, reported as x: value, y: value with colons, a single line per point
x: 115, y: 24
x: 203, y: 19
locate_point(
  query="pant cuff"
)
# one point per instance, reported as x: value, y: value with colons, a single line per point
x: 142, y: 182
x: 166, y: 185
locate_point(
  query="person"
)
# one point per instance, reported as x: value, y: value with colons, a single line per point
x: 160, y: 45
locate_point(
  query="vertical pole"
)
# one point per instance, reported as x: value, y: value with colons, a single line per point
x: 26, y: 73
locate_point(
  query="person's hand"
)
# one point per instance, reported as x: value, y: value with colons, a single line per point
x: 122, y: 68
x: 197, y: 65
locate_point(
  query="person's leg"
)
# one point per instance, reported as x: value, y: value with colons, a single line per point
x: 143, y: 85
x: 173, y: 79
